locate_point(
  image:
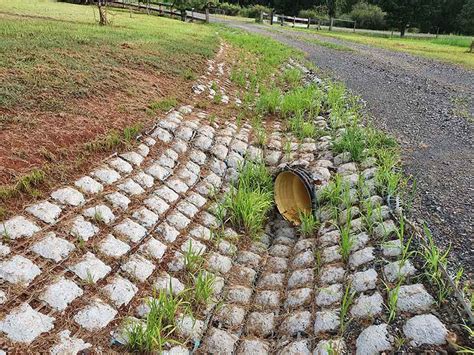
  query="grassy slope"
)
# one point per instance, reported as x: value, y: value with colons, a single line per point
x: 65, y: 81
x: 451, y: 49
x: 59, y: 46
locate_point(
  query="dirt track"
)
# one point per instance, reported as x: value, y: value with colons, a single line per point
x: 418, y: 101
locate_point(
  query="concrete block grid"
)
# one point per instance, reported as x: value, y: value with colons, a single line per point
x: 79, y: 263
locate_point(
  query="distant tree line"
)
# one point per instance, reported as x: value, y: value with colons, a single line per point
x: 443, y: 16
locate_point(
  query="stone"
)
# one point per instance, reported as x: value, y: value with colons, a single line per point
x: 367, y: 306
x: 143, y: 150
x: 24, y: 324
x: 132, y: 157
x: 331, y: 274
x: 18, y: 270
x: 414, y: 299
x: 88, y: 185
x: 180, y: 145
x: 169, y: 284
x: 296, y: 322
x: 209, y: 220
x: 329, y: 295
x: 118, y: 200
x: 120, y: 291
x: 68, y: 344
x: 300, y: 278
x: 219, y: 342
x: 154, y: 249
x: 337, y: 346
x: 300, y: 347
x: 188, y: 209
x: 397, y: 270
x: 162, y: 135
x: 4, y: 250
x: 361, y: 257
x: 46, y: 211
x: 392, y: 248
x: 157, y: 205
x: 83, y: 229
x: 373, y: 340
x: 178, y: 220
x: 298, y: 297
x: 95, y: 316
x: 219, y: 263
x: 331, y: 254
x: 168, y: 233
x: 342, y: 158
x: 385, y: 229
x: 68, y: 196
x: 239, y: 295
x: 18, y: 227
x: 253, y: 346
x: 272, y: 157
x: 302, y: 245
x: 149, y: 141
x: 280, y: 250
x: 271, y: 281
x: 158, y: 172
x: 326, y: 321
x: 100, y: 214
x: 303, y: 260
x: 201, y: 232
x: 145, y: 217
x: 177, y: 185
x: 329, y: 238
x: 113, y: 247
x: 260, y: 324
x: 425, y: 329
x: 52, y: 247
x: 189, y: 327
x: 248, y: 259
x: 198, y: 157
x: 131, y: 230
x: 130, y: 187
x: 193, y: 247
x: 230, y: 316
x: 146, y: 181
x: 267, y: 299
x: 277, y: 264
x: 138, y: 267
x: 227, y: 248
x: 185, y: 133
x: 196, y: 199
x: 90, y: 268
x: 106, y: 175
x: 187, y: 177
x: 359, y: 241
x: 120, y: 165
x: 243, y: 275
x: 165, y: 193
x: 59, y: 294
x: 364, y: 280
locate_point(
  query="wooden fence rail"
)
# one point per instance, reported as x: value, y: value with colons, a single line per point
x: 281, y: 19
x: 160, y: 9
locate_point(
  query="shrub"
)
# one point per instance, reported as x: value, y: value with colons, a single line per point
x: 254, y: 11
x: 230, y: 9
x: 368, y: 16
x: 315, y: 12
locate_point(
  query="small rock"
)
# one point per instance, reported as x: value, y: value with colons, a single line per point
x: 326, y: 321
x: 414, y: 299
x: 95, y: 316
x: 46, y: 211
x: 425, y: 329
x: 373, y: 340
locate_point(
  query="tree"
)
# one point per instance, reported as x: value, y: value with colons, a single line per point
x: 466, y: 18
x: 368, y: 16
x: 401, y: 13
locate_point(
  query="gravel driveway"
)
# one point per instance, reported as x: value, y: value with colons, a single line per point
x: 419, y: 101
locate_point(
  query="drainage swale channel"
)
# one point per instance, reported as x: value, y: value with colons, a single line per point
x: 140, y: 216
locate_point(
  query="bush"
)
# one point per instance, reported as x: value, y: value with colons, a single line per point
x: 466, y: 18
x: 368, y: 16
x: 315, y: 12
x: 230, y: 9
x: 254, y: 11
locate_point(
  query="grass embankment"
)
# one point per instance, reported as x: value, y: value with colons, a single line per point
x: 452, y: 49
x: 69, y: 87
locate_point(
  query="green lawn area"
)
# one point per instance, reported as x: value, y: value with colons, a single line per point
x: 453, y: 49
x: 57, y: 50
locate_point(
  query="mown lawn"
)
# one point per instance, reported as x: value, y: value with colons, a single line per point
x: 453, y: 49
x: 57, y: 50
x: 67, y: 85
